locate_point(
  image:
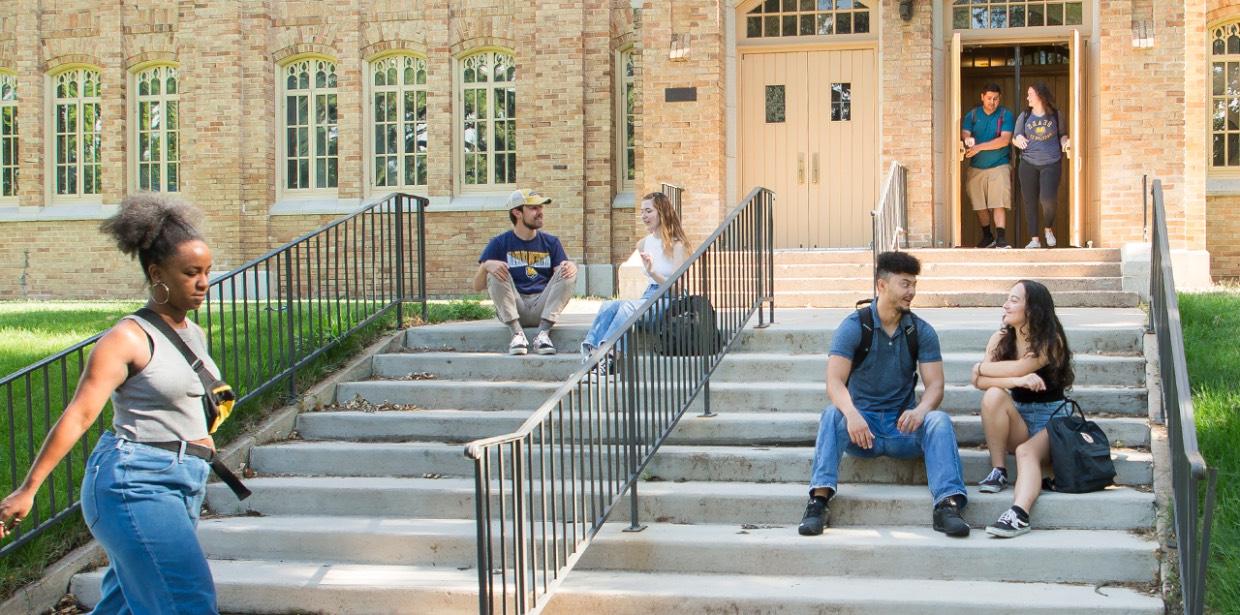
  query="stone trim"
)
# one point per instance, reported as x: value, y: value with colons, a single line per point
x: 283, y: 56
x: 70, y: 60
x: 378, y: 50
x: 481, y: 43
x: 624, y: 40
x: 135, y: 62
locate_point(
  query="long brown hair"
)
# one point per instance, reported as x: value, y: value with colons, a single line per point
x: 670, y: 230
x: 1046, y: 337
x: 1044, y: 94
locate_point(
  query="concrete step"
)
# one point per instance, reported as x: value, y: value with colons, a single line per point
x: 736, y: 367
x: 247, y: 586
x: 672, y: 463
x: 965, y: 284
x: 868, y: 505
x: 637, y: 593
x: 957, y: 255
x: 1030, y: 270
x: 798, y: 331
x: 725, y: 396
x: 752, y: 428
x: 265, y: 586
x: 1080, y: 556
x: 1077, y: 556
x: 959, y: 298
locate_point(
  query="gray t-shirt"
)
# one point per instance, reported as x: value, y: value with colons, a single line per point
x: 1043, y: 132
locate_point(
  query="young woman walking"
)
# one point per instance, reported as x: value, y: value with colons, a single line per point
x: 1041, y: 137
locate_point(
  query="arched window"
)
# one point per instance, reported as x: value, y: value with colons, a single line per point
x: 488, y: 120
x: 626, y: 129
x: 157, y: 146
x: 789, y: 18
x: 1225, y: 96
x: 8, y: 135
x: 76, y: 130
x: 311, y: 136
x: 398, y: 102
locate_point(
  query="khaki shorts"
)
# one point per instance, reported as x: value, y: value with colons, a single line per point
x: 990, y: 188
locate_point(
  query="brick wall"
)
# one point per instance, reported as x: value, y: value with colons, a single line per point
x: 907, y: 130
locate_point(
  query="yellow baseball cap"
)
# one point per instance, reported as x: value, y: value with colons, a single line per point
x: 525, y: 196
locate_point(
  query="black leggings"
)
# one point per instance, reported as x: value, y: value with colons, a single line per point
x: 1039, y: 186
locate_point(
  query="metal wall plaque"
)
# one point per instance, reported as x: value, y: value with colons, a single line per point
x: 679, y: 94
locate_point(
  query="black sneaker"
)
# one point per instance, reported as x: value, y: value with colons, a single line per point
x: 815, y: 517
x: 994, y: 482
x: 947, y: 519
x: 987, y: 241
x: 1001, y: 244
x: 1009, y: 525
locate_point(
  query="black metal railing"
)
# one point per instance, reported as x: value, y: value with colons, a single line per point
x: 676, y: 195
x: 1193, y: 481
x: 890, y: 217
x: 264, y: 321
x: 544, y: 491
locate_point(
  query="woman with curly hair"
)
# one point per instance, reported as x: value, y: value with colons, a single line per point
x: 145, y: 481
x: 1028, y: 367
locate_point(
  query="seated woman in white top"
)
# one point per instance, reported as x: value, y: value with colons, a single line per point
x: 663, y: 251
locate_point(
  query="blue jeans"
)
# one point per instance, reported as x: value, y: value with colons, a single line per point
x: 613, y: 315
x: 935, y: 441
x: 142, y: 504
x: 1037, y: 414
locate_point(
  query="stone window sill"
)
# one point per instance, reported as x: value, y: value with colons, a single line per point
x: 624, y: 200
x: 76, y: 211
x: 1223, y: 186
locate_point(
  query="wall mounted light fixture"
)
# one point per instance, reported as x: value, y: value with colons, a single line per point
x: 906, y: 10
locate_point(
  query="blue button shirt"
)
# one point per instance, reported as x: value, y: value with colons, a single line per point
x: 884, y: 382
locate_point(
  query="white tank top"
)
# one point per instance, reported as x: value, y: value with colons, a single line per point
x: 661, y: 263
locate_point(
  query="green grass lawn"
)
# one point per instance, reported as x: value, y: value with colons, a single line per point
x: 1211, y: 330
x: 243, y: 342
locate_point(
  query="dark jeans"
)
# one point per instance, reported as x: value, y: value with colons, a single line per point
x: 1039, y: 187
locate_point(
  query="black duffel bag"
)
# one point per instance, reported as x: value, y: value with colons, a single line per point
x: 686, y: 327
x: 1080, y: 452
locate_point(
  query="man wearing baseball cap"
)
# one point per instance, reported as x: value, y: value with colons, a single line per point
x: 527, y: 274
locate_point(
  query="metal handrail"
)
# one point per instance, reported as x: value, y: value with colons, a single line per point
x: 890, y: 217
x: 1189, y: 471
x: 676, y: 195
x: 264, y: 322
x: 545, y: 490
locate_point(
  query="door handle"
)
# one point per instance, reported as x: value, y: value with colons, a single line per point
x: 800, y: 169
x: 814, y: 171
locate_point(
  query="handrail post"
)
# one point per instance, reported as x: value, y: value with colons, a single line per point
x: 759, y: 246
x: 291, y: 347
x: 630, y: 403
x: 399, y: 203
x: 422, y: 256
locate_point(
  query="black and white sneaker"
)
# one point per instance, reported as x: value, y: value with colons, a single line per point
x: 605, y: 369
x: 542, y: 343
x: 994, y: 482
x: 518, y: 345
x: 1009, y: 525
x: 815, y: 517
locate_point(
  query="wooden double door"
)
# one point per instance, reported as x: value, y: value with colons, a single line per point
x: 809, y: 131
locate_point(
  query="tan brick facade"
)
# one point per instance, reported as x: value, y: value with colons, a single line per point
x: 1147, y: 113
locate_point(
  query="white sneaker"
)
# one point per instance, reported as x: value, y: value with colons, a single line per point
x: 1050, y: 238
x: 542, y: 343
x: 518, y: 345
x: 1033, y: 244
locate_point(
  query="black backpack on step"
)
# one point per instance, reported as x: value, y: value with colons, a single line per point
x: 687, y: 328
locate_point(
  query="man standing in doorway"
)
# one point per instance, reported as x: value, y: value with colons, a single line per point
x: 987, y: 131
x: 527, y: 274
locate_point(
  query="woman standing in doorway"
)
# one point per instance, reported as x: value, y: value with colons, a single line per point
x: 145, y: 481
x: 1042, y: 137
x: 662, y: 251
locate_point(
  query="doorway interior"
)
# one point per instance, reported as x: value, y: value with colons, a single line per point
x: 1014, y: 68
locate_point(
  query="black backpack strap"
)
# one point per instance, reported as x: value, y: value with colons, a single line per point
x: 867, y: 336
x: 195, y: 364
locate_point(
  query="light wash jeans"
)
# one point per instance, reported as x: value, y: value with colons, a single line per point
x: 613, y: 315
x: 142, y: 504
x: 935, y: 441
x: 1037, y: 414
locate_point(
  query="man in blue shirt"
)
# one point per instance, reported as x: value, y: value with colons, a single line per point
x: 527, y: 274
x: 987, y: 131
x: 872, y: 412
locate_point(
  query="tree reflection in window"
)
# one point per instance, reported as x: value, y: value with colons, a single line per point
x: 774, y: 104
x: 789, y: 18
x: 841, y: 102
x: 1225, y: 96
x: 999, y: 14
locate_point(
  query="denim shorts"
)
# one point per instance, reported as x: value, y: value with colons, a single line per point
x: 1037, y: 414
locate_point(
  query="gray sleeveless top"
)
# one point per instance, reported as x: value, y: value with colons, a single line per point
x: 163, y: 402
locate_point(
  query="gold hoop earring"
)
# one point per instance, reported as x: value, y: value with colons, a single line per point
x: 167, y: 293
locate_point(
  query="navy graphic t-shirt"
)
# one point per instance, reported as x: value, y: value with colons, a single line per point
x: 530, y: 263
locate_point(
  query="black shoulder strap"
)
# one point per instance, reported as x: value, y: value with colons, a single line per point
x: 867, y: 333
x: 158, y: 322
x: 912, y: 341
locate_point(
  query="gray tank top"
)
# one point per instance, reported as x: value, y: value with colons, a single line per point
x: 163, y: 402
